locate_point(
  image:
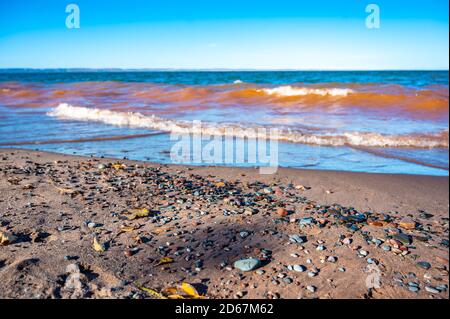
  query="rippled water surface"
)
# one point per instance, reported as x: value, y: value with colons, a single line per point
x: 392, y: 122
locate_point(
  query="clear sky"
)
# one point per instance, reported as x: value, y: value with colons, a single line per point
x: 244, y: 34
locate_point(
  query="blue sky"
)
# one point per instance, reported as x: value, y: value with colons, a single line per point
x: 232, y: 34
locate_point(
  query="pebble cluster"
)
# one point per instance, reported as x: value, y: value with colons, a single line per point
x: 94, y: 228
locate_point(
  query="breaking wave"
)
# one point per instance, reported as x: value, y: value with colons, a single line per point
x: 288, y: 90
x: 358, y: 139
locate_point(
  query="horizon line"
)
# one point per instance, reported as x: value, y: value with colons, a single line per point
x: 212, y: 69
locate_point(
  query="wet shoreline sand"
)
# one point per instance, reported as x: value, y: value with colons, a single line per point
x: 162, y: 225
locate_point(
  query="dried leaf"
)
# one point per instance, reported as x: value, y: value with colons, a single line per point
x: 165, y: 260
x: 98, y: 246
x: 220, y: 184
x: 151, y: 292
x: 190, y: 290
x: 126, y: 229
x: 170, y: 291
x: 118, y: 166
x: 138, y: 213
x: 65, y: 190
x: 6, y: 238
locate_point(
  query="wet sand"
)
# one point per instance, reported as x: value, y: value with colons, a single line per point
x: 158, y: 226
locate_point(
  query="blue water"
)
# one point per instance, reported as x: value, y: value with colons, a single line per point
x: 393, y: 103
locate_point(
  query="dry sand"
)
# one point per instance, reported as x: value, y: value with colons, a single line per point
x: 206, y: 218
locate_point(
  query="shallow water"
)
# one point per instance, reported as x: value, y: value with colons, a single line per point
x: 390, y: 122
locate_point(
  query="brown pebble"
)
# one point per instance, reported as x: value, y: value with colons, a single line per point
x: 281, y: 212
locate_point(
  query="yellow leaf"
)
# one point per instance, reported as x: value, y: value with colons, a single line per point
x: 170, y: 291
x: 118, y: 166
x: 151, y: 292
x: 138, y: 213
x: 6, y: 238
x: 189, y: 289
x: 165, y: 260
x: 98, y: 246
x: 220, y: 184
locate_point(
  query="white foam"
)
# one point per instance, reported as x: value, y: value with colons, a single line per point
x: 288, y: 90
x: 137, y: 120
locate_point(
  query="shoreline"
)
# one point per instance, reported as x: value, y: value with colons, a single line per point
x: 199, y: 218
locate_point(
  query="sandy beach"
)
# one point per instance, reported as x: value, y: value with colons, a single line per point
x: 80, y: 227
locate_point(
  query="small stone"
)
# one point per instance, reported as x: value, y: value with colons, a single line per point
x: 372, y: 261
x: 244, y: 234
x: 404, y: 238
x: 91, y: 225
x: 311, y: 288
x: 297, y: 239
x: 424, y: 264
x: 386, y: 247
x: 312, y: 274
x: 288, y: 280
x: 239, y: 294
x: 298, y: 268
x: 331, y: 259
x: 305, y: 221
x: 442, y: 287
x: 281, y: 212
x: 247, y: 264
x: 347, y: 241
x: 320, y: 248
x: 341, y: 269
x: 432, y: 290
x: 413, y: 289
x: 363, y: 253
x: 407, y: 223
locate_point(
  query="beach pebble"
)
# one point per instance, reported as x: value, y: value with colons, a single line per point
x: 363, y: 252
x: 281, y: 212
x: 432, y: 290
x: 244, y: 234
x: 298, y: 268
x: 424, y: 264
x: 347, y: 241
x: 247, y: 264
x: 413, y: 288
x: 297, y: 239
x: 372, y: 261
x: 311, y: 288
x: 332, y: 259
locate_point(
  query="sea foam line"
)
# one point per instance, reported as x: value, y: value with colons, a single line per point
x: 288, y: 90
x: 137, y: 120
